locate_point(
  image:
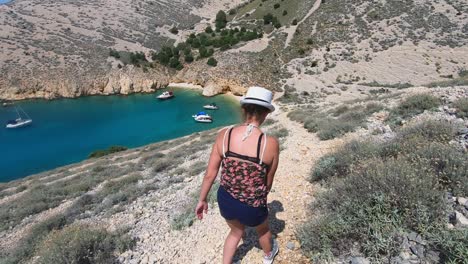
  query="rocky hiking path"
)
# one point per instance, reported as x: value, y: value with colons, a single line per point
x: 203, y: 241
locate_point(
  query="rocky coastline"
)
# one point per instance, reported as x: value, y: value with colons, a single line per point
x: 117, y: 82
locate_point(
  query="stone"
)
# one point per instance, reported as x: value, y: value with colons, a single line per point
x: 433, y: 256
x: 290, y: 245
x: 359, y: 260
x: 463, y: 131
x: 462, y: 201
x: 460, y: 219
x: 417, y: 250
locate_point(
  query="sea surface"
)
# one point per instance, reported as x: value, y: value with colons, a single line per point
x: 67, y: 130
x: 4, y: 1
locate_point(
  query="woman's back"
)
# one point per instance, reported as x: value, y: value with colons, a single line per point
x: 256, y: 145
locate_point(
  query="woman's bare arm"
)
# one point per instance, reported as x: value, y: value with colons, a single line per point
x: 274, y: 148
x: 210, y: 175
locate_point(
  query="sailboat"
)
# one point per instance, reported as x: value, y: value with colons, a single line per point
x: 19, y: 122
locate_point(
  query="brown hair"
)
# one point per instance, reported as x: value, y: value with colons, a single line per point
x: 254, y: 110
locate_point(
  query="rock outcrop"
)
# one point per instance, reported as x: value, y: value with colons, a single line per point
x: 118, y: 81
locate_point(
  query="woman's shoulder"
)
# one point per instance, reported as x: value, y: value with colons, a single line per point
x: 272, y: 141
x: 222, y: 132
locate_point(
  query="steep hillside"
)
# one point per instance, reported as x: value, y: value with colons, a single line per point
x: 62, y: 49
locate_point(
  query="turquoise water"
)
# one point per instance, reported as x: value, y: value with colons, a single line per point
x: 4, y: 1
x: 68, y: 130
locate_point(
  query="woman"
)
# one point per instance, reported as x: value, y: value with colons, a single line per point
x: 249, y: 160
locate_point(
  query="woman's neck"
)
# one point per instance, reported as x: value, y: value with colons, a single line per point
x: 252, y: 122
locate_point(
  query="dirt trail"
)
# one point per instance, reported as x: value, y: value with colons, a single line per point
x: 292, y: 193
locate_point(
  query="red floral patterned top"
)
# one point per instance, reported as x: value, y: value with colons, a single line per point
x: 244, y: 177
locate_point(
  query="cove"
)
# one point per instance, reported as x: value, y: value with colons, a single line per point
x: 66, y: 131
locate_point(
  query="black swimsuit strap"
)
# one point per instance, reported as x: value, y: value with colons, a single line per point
x: 229, y: 139
x: 258, y: 145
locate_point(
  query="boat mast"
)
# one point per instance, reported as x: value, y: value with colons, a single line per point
x: 17, y: 112
x: 23, y: 112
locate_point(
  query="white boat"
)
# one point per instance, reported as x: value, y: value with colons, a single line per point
x: 5, y: 104
x: 19, y: 122
x: 202, y: 114
x: 211, y: 106
x: 203, y: 119
x: 165, y: 95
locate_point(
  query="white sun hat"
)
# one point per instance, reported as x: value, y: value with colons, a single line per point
x: 258, y: 96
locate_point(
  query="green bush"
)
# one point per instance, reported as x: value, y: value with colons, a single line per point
x: 279, y: 132
x: 221, y: 20
x: 110, y: 150
x: 114, y: 53
x: 27, y: 245
x: 189, y: 58
x: 160, y: 165
x: 212, y: 62
x: 378, y: 191
x: 429, y: 130
x: 371, y: 205
x: 208, y: 30
x: 348, y: 119
x: 268, y: 18
x: 462, y: 107
x: 197, y: 167
x: 184, y: 219
x: 451, y: 244
x: 82, y: 244
x: 412, y: 106
x: 174, y: 30
x: 276, y: 6
x: 344, y: 160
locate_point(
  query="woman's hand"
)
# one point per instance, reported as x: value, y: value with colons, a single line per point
x: 201, y: 207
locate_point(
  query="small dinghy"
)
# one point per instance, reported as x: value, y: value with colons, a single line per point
x: 20, y: 121
x: 211, y: 106
x: 5, y: 104
x: 165, y: 95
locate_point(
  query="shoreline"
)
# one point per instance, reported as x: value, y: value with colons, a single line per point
x: 186, y: 85
x: 228, y: 101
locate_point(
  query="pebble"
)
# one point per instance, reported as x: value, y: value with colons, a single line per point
x: 290, y: 245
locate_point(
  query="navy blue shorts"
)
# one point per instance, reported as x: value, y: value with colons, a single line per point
x: 233, y: 209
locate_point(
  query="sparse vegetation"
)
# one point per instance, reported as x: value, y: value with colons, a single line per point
x: 110, y: 150
x: 328, y: 127
x: 386, y: 190
x: 83, y: 244
x: 396, y: 85
x: 411, y: 106
x: 461, y: 105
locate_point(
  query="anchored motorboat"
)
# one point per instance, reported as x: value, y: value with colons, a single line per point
x: 165, y: 95
x: 211, y: 106
x: 201, y: 114
x: 203, y: 119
